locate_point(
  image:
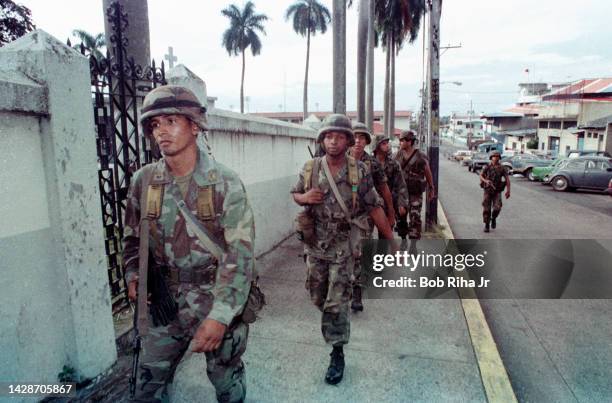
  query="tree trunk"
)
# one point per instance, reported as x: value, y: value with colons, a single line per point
x: 392, y: 90
x: 370, y: 71
x: 305, y: 100
x: 339, y: 50
x: 387, y: 82
x: 242, y: 84
x: 362, y: 49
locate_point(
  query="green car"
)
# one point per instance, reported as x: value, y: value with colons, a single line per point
x: 539, y: 173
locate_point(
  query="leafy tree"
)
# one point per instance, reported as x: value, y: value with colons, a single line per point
x: 94, y: 45
x: 309, y: 17
x: 15, y: 21
x: 242, y: 33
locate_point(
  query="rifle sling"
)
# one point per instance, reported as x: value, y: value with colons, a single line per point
x: 198, y: 229
x: 409, y: 160
x: 334, y: 188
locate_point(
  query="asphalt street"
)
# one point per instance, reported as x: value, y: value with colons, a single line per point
x: 553, y: 350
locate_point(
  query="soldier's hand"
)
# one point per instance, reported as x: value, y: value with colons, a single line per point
x: 431, y: 195
x: 507, y: 194
x: 313, y: 196
x: 133, y: 289
x: 391, y: 219
x: 402, y: 211
x: 209, y: 336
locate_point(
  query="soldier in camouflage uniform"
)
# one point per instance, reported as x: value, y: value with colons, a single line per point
x: 210, y: 294
x: 416, y: 171
x: 393, y: 172
x: 493, y: 178
x: 363, y: 138
x: 329, y: 256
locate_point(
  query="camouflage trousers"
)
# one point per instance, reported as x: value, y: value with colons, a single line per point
x: 166, y: 346
x: 415, y: 205
x: 329, y: 284
x: 358, y: 277
x: 491, y: 205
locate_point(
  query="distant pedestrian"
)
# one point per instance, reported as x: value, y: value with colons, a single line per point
x: 494, y: 179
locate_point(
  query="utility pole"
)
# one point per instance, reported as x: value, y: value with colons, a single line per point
x: 433, y: 106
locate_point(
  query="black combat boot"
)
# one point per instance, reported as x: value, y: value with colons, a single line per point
x: 335, y: 371
x: 357, y: 305
x: 493, y: 223
x: 413, y: 247
x: 486, y: 229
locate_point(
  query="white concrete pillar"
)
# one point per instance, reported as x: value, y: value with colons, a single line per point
x: 66, y: 271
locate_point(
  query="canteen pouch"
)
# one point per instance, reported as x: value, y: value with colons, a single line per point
x: 255, y: 303
x: 304, y: 226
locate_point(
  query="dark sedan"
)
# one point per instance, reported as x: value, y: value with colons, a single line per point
x: 478, y: 161
x: 583, y: 172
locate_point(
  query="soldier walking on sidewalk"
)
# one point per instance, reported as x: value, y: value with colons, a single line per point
x: 417, y: 174
x: 339, y: 195
x: 493, y: 179
x: 362, y: 139
x: 206, y: 279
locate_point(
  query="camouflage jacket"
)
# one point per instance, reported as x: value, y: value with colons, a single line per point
x: 396, y: 182
x: 375, y: 169
x: 174, y: 246
x: 412, y: 170
x: 496, y: 174
x: 331, y: 226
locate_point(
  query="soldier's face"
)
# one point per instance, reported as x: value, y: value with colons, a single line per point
x: 384, y: 147
x: 173, y: 133
x: 495, y: 160
x: 336, y: 143
x: 360, y: 142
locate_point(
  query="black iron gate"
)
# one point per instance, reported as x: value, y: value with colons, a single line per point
x: 118, y: 87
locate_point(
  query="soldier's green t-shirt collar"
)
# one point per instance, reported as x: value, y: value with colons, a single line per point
x: 206, y: 172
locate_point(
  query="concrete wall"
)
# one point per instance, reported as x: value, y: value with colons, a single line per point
x: 266, y: 153
x: 54, y: 296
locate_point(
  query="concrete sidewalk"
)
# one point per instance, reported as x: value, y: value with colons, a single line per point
x: 400, y: 350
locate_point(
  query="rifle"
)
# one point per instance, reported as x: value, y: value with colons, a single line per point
x: 136, y: 346
x: 310, y: 152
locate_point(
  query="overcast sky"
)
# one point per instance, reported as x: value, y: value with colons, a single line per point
x: 556, y: 40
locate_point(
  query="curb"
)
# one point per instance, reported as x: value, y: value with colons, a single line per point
x: 493, y: 374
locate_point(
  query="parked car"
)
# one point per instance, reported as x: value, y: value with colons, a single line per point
x: 458, y: 156
x: 591, y: 172
x: 478, y: 161
x: 540, y: 173
x: 466, y: 159
x: 524, y: 164
x: 584, y: 153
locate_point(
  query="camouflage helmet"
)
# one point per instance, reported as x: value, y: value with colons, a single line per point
x: 172, y: 100
x: 379, y: 139
x: 407, y: 135
x: 493, y: 154
x: 361, y: 128
x: 336, y: 123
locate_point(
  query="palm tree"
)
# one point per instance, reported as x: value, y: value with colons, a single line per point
x: 309, y: 17
x: 396, y: 21
x: 242, y: 33
x: 339, y: 51
x: 94, y: 44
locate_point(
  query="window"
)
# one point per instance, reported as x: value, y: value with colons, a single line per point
x: 543, y: 124
x: 514, y: 145
x: 569, y: 123
x: 602, y: 165
x: 543, y: 145
x: 595, y: 135
x: 459, y: 122
x: 589, y: 135
x: 554, y: 124
x: 575, y: 165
